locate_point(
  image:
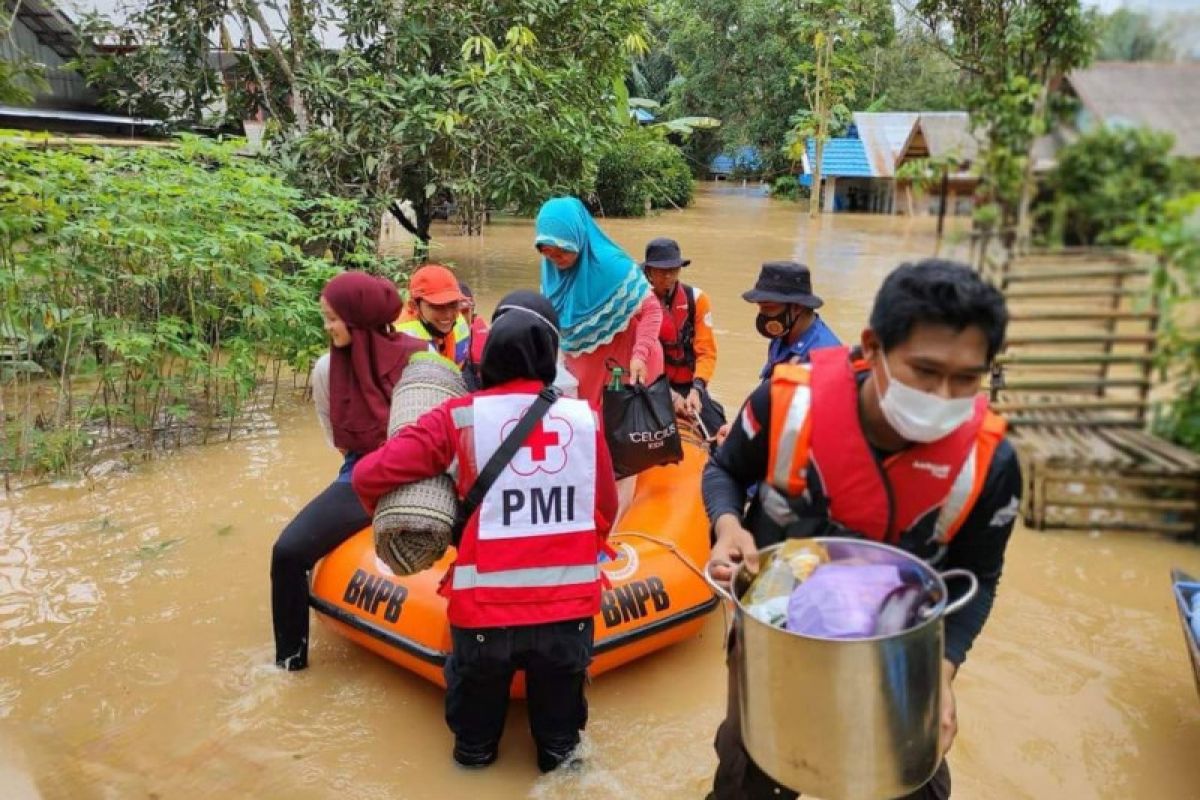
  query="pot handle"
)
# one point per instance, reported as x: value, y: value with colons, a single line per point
x: 718, y: 588
x: 970, y: 593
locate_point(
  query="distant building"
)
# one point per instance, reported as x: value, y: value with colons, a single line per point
x: 859, y: 170
x: 43, y: 33
x: 945, y: 137
x: 746, y: 160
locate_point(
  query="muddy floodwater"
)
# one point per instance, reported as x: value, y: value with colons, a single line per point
x: 135, y: 636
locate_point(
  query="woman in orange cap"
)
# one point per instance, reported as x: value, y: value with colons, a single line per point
x: 433, y: 312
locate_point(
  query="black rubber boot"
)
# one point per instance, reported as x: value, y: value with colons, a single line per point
x: 549, y: 760
x: 474, y: 756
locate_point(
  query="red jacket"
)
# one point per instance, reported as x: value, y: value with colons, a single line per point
x: 539, y: 569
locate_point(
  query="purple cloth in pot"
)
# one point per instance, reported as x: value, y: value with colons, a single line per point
x: 841, y: 601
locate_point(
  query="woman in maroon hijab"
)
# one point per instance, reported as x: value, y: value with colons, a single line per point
x: 352, y: 388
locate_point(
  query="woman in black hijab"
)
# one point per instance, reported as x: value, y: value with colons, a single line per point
x: 523, y: 340
x: 525, y: 585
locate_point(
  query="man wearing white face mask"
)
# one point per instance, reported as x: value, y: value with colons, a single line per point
x: 895, y: 444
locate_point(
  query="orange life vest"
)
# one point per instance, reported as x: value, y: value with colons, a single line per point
x: 814, y: 419
x: 678, y: 334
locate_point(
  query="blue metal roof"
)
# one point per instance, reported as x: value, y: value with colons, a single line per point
x: 642, y: 115
x: 747, y: 158
x: 843, y: 157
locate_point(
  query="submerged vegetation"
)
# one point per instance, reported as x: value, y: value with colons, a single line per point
x: 146, y: 293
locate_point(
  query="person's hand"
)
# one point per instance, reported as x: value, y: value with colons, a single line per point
x: 678, y: 402
x: 692, y: 403
x: 722, y: 433
x: 637, y: 370
x: 948, y: 727
x: 734, y: 544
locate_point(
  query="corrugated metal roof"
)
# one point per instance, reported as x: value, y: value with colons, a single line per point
x: 841, y: 157
x: 884, y: 135
x: 1165, y: 97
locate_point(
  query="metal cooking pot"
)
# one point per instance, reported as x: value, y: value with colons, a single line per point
x: 843, y: 718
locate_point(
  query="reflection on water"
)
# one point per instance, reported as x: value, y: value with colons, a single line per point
x: 135, y: 653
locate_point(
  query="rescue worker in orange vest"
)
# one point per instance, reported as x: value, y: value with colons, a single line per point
x: 686, y: 334
x: 526, y: 583
x: 433, y: 313
x: 895, y: 444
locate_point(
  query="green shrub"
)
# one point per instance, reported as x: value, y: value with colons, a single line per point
x: 1110, y: 180
x: 786, y: 187
x: 641, y: 171
x: 1175, y: 239
x: 145, y: 289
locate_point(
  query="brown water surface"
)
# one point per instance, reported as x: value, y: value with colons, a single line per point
x: 135, y: 653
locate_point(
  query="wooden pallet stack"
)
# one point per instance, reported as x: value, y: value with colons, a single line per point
x: 1074, y: 381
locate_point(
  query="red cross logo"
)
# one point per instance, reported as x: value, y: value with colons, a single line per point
x: 540, y: 439
x: 546, y: 448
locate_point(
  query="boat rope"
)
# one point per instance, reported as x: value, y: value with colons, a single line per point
x: 687, y: 562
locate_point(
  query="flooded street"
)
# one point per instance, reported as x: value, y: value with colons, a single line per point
x: 136, y: 658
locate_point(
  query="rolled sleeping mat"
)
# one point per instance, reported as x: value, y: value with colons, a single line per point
x: 413, y: 523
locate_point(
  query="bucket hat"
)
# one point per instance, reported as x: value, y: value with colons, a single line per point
x: 784, y: 282
x: 663, y: 253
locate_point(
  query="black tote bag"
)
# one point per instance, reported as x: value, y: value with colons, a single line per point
x: 639, y: 426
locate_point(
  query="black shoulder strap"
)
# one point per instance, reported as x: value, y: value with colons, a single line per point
x: 501, y: 458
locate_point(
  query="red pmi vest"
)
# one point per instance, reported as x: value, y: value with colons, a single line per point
x: 529, y: 553
x: 814, y: 417
x: 677, y: 334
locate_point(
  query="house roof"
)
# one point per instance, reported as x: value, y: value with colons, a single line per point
x: 883, y: 136
x: 944, y: 134
x: 1165, y: 97
x: 842, y: 157
x: 49, y: 24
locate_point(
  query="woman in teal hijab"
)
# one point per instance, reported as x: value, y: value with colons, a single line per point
x: 604, y: 304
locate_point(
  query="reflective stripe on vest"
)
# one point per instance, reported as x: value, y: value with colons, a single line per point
x: 788, y: 462
x: 461, y: 335
x: 959, y: 498
x: 469, y: 577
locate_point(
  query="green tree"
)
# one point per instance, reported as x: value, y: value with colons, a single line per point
x: 839, y: 38
x: 500, y: 104
x: 913, y: 73
x: 1011, y: 52
x: 738, y: 61
x: 1110, y: 181
x: 1128, y: 35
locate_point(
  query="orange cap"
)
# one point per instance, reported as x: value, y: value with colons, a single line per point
x: 434, y: 284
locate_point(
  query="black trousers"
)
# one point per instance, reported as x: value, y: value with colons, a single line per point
x: 739, y: 778
x: 479, y: 673
x: 329, y: 519
x: 712, y: 413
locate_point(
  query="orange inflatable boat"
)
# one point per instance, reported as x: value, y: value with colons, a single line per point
x: 657, y: 596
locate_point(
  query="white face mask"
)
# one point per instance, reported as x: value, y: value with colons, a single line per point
x: 920, y: 416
